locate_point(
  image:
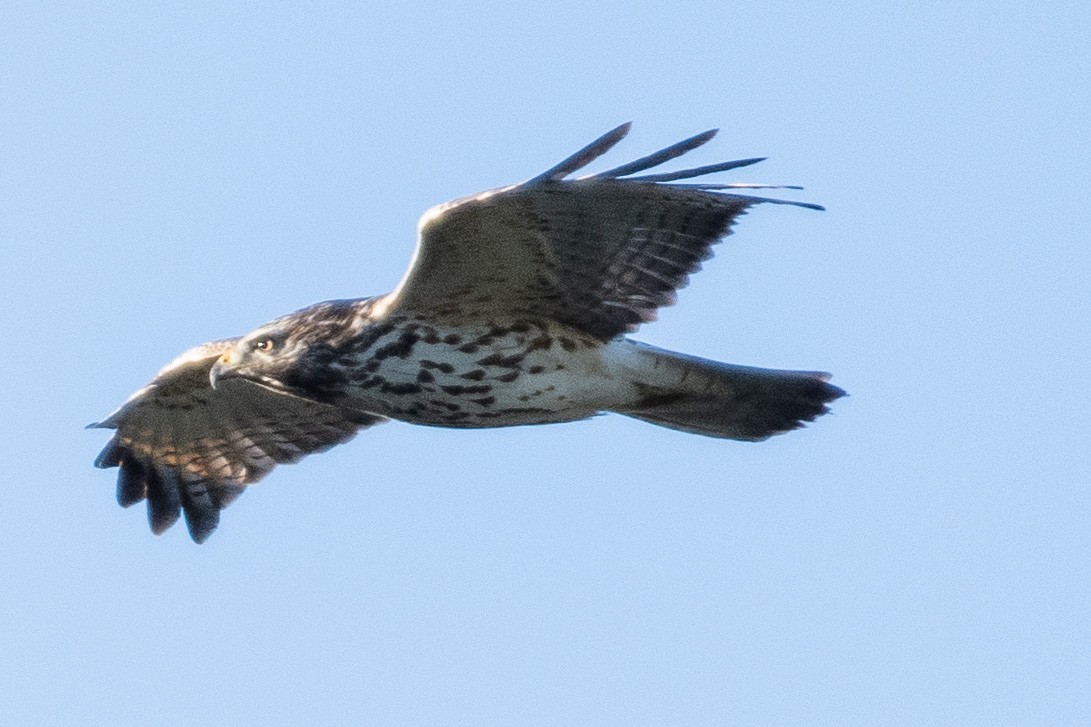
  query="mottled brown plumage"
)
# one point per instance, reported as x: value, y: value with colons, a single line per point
x: 512, y: 312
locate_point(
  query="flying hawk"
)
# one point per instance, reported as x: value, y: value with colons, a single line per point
x: 513, y: 311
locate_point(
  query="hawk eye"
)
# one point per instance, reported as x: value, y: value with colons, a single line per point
x: 265, y: 344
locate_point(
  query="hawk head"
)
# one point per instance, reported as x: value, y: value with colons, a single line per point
x: 294, y: 354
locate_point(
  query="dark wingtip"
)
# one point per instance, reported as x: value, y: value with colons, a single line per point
x: 201, y: 524
x: 168, y: 495
x: 584, y: 156
x: 704, y: 137
x: 656, y: 158
x: 164, y: 500
x: 159, y: 521
x: 749, y: 162
x: 201, y: 508
x: 110, y: 456
x: 127, y: 497
x: 773, y: 200
x: 132, y: 481
x: 677, y: 150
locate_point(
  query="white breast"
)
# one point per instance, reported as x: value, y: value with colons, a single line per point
x: 500, y: 374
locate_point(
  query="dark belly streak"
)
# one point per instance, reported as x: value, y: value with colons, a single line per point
x: 488, y: 375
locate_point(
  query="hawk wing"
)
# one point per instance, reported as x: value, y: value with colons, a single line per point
x: 186, y: 447
x: 601, y: 252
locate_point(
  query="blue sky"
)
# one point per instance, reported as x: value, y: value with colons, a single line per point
x: 174, y: 175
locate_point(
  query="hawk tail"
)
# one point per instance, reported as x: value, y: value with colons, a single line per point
x: 722, y: 400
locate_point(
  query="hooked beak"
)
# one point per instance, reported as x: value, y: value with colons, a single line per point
x: 225, y: 370
x: 222, y: 370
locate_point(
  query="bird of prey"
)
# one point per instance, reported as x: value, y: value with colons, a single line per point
x: 513, y: 311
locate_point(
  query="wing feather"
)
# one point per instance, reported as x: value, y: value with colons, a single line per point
x: 189, y: 449
x: 132, y: 478
x: 584, y: 156
x: 601, y: 252
x: 663, y: 155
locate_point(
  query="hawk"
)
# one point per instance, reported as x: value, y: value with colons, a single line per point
x: 513, y: 311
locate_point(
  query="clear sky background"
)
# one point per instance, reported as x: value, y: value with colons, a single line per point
x: 171, y: 175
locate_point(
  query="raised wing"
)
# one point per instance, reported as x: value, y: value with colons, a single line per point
x: 186, y: 447
x: 601, y: 252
